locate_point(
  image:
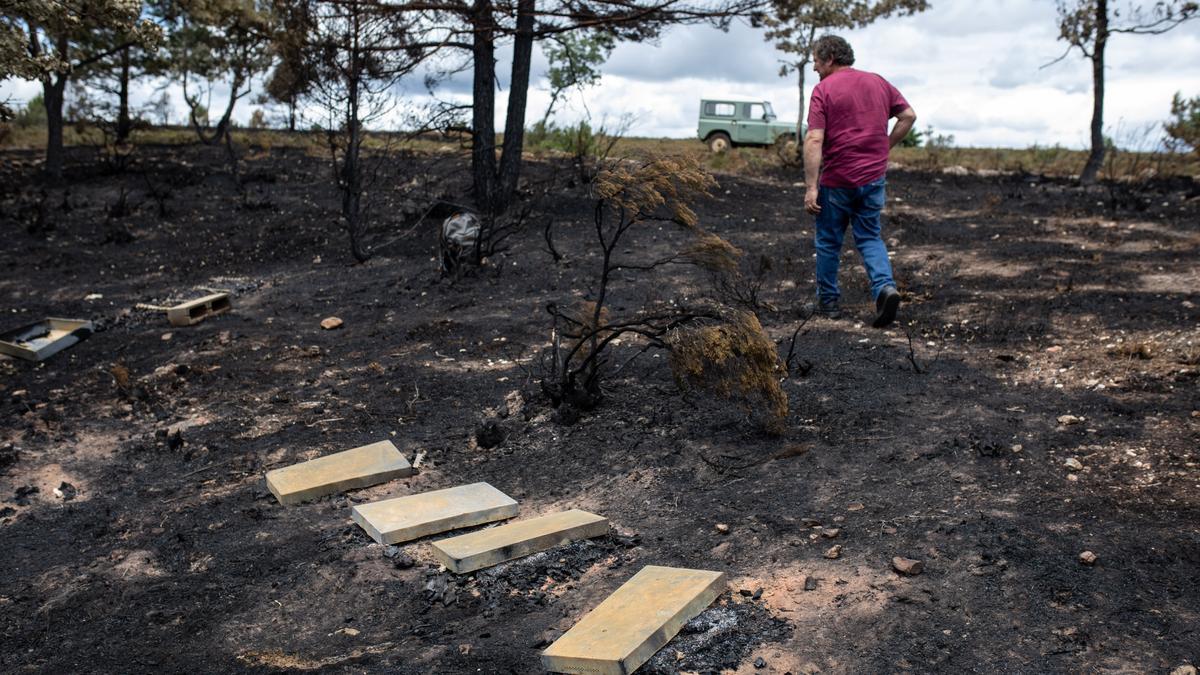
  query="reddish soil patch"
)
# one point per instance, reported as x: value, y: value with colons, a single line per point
x: 1027, y: 300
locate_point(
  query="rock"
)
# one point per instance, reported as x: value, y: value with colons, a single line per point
x: 908, y: 566
x: 65, y: 492
x: 1185, y: 669
x: 1073, y: 464
x: 810, y: 583
x: 759, y: 663
x: 167, y: 336
x: 1087, y: 558
x: 8, y: 455
x: 830, y: 532
x: 722, y: 528
x: 1068, y: 420
x: 855, y: 506
x: 331, y: 323
x: 514, y: 403
x: 956, y: 170
x: 834, y: 552
x: 346, y: 631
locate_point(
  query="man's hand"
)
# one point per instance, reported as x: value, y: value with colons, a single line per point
x: 904, y: 123
x: 811, y: 204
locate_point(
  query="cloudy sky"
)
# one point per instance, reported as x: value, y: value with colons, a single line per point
x: 971, y: 69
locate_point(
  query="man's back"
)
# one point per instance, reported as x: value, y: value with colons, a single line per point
x: 853, y: 107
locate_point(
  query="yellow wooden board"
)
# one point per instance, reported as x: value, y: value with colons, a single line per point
x: 361, y: 467
x: 406, y: 518
x: 633, y: 623
x: 476, y: 550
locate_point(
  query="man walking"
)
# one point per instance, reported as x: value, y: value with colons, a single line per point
x: 847, y: 130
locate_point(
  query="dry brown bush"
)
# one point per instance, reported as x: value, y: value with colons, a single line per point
x: 735, y: 359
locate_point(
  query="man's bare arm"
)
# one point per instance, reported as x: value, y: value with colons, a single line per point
x: 813, y: 142
x: 904, y: 124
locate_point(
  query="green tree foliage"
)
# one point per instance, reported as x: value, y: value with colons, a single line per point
x: 32, y: 115
x: 50, y: 41
x: 1087, y: 25
x: 793, y: 25
x: 575, y: 60
x: 1183, y: 129
x: 914, y: 139
x: 211, y: 42
x: 293, y: 74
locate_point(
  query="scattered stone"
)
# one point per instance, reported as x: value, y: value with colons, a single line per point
x: 908, y: 566
x: 1073, y: 464
x: 722, y: 528
x: 633, y: 623
x: 7, y: 511
x: 810, y: 583
x: 759, y: 663
x: 166, y: 337
x: 65, y: 492
x: 855, y: 506
x: 361, y: 467
x: 24, y: 494
x: 330, y: 323
x: 834, y: 552
x: 346, y: 631
x: 8, y: 455
x: 1068, y: 420
x: 1185, y: 669
x: 514, y: 403
x: 1088, y: 558
x: 831, y: 532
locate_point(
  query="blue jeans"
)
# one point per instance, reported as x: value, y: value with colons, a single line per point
x: 860, y: 207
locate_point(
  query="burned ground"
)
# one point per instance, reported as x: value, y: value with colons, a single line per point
x: 1043, y: 323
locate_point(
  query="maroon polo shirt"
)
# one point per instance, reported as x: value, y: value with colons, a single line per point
x: 853, y: 107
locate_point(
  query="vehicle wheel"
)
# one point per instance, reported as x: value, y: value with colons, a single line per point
x: 719, y: 142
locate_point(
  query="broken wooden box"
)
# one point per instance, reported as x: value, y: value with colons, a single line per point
x: 37, y: 341
x: 195, y: 311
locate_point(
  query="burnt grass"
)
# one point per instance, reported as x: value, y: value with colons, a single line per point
x: 138, y: 535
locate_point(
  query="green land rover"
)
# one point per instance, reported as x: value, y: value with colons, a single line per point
x: 726, y: 122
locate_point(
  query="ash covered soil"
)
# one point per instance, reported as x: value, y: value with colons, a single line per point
x: 1039, y: 400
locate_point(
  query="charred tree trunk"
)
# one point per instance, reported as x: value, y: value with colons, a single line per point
x: 518, y: 95
x: 483, y: 111
x: 800, y: 118
x: 124, y: 123
x: 352, y: 172
x: 1096, y: 157
x: 53, y: 90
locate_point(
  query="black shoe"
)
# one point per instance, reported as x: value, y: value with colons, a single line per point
x: 828, y: 309
x: 885, y: 307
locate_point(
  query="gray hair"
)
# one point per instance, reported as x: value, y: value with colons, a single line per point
x: 833, y: 48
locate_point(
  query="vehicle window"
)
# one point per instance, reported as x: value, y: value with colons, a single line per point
x: 755, y: 111
x: 720, y: 109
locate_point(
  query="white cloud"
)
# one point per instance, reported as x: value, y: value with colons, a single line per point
x: 973, y: 69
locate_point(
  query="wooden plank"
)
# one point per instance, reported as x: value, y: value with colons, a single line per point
x: 361, y: 467
x: 476, y: 550
x: 406, y: 518
x: 633, y: 623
